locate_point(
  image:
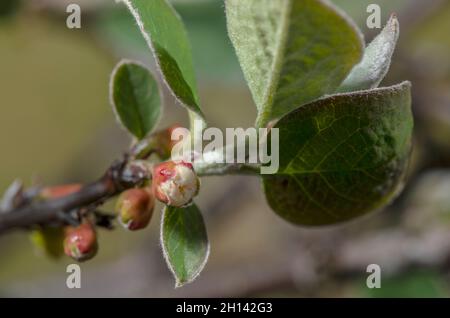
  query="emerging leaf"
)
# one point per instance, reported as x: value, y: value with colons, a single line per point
x: 291, y: 52
x: 376, y: 61
x: 343, y: 156
x: 166, y: 36
x: 135, y: 98
x: 185, y: 242
x: 49, y: 241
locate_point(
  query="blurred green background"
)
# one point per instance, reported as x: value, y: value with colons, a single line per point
x: 56, y: 126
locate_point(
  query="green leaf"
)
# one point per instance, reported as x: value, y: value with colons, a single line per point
x: 376, y: 61
x: 342, y: 156
x: 206, y: 25
x: 49, y: 241
x: 166, y: 36
x: 135, y: 98
x: 8, y: 8
x: 185, y: 242
x: 291, y: 52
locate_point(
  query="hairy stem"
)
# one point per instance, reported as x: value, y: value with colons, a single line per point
x: 204, y: 169
x: 122, y: 175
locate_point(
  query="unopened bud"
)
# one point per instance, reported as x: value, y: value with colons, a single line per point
x: 175, y: 184
x: 80, y: 242
x: 60, y: 191
x: 165, y: 141
x: 135, y: 208
x: 170, y: 132
x: 160, y: 142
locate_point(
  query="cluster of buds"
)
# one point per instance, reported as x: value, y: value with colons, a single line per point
x: 48, y: 239
x: 80, y: 242
x: 173, y: 183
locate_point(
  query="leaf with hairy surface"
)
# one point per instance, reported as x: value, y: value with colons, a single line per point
x: 185, y: 242
x: 291, y: 52
x: 376, y: 61
x: 343, y: 156
x: 166, y: 36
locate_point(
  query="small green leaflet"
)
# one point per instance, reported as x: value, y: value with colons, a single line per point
x: 167, y: 38
x: 376, y: 61
x: 291, y: 52
x: 185, y: 242
x: 135, y: 98
x: 49, y: 241
x: 343, y: 156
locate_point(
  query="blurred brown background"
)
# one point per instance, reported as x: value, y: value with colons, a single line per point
x: 56, y: 126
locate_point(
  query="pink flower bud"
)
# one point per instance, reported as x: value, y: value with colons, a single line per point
x: 135, y: 208
x: 60, y: 191
x: 170, y: 143
x: 175, y: 184
x: 80, y: 242
x: 165, y: 142
x: 160, y: 142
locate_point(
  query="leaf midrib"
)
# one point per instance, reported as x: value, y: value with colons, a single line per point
x: 276, y: 65
x: 140, y: 119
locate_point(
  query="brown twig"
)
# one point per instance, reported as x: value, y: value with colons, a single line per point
x: 120, y: 176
